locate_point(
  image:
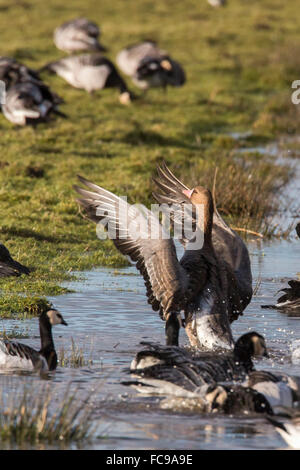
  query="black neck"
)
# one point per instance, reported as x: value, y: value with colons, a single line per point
x: 242, y: 356
x: 47, y: 345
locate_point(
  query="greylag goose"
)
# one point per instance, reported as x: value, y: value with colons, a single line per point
x: 149, y: 66
x: 8, y: 266
x: 90, y: 72
x: 15, y: 355
x: 212, y: 281
x: 30, y: 103
x: 289, y: 428
x: 289, y: 302
x: 80, y: 34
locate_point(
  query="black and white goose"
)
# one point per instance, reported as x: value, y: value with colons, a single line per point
x: 8, y: 266
x: 30, y: 103
x: 149, y: 66
x: 90, y: 72
x: 15, y: 355
x: 79, y: 34
x: 189, y: 371
x: 212, y: 382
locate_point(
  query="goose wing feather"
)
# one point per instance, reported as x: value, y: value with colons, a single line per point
x: 165, y: 280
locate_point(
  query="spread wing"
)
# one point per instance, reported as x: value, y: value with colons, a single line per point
x: 230, y: 250
x: 137, y: 233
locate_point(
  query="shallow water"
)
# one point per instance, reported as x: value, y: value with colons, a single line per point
x: 108, y: 316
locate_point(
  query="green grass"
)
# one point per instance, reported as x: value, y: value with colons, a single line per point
x: 240, y: 62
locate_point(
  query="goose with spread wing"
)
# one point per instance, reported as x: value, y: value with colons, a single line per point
x: 207, y: 283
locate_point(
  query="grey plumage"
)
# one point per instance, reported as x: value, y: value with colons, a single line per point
x: 90, y: 72
x: 79, y: 34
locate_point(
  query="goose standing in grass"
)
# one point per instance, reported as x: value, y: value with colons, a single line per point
x: 212, y: 281
x: 289, y: 302
x: 90, y: 72
x: 15, y: 355
x: 80, y: 34
x: 289, y: 428
x: 8, y: 266
x: 149, y: 66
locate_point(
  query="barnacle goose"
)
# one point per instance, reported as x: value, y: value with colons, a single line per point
x: 90, y: 72
x: 15, y: 355
x: 79, y: 34
x: 224, y: 383
x: 149, y: 66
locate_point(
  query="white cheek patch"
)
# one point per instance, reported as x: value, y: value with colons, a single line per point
x: 54, y: 319
x: 147, y: 361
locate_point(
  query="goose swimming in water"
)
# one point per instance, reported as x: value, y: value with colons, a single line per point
x: 212, y: 281
x: 90, y: 72
x: 8, y: 266
x: 80, y: 34
x: 212, y: 382
x: 149, y: 66
x: 187, y: 370
x: 15, y: 355
x: 289, y: 302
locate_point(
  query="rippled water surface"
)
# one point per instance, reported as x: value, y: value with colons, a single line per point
x: 108, y: 316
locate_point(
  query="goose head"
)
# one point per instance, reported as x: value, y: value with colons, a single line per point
x: 216, y: 396
x: 250, y: 345
x: 174, y: 73
x: 53, y: 317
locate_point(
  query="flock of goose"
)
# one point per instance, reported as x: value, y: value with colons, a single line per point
x: 209, y: 285
x: 203, y: 292
x: 29, y: 100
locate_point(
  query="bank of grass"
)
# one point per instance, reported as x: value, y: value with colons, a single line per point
x: 239, y: 61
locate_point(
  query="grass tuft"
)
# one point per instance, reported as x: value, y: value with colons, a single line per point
x: 30, y: 418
